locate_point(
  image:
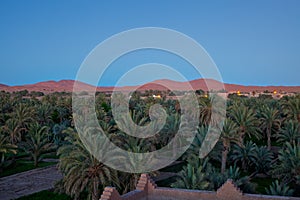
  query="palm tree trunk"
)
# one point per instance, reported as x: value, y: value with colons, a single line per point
x: 224, y: 160
x: 35, y: 159
x: 269, y: 138
x: 95, y: 193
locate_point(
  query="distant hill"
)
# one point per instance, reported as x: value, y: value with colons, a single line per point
x: 3, y: 86
x: 164, y: 84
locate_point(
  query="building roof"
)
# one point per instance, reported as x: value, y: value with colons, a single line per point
x: 146, y: 189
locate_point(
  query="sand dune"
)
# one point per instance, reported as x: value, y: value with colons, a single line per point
x: 164, y: 84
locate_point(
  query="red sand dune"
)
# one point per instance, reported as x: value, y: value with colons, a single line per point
x: 67, y: 86
x: 3, y: 86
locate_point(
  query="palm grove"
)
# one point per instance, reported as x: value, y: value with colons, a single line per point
x: 259, y: 145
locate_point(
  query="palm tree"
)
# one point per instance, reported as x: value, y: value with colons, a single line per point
x: 193, y: 150
x: 244, y: 155
x: 290, y: 133
x: 263, y: 160
x: 5, y: 106
x: 205, y: 105
x: 245, y: 119
x: 37, y: 142
x: 288, y: 165
x: 170, y: 129
x: 82, y: 171
x: 269, y: 122
x: 217, y: 179
x: 44, y: 114
x: 243, y: 182
x: 211, y: 110
x: 229, y: 135
x: 24, y: 114
x: 193, y: 176
x: 279, y: 189
x: 13, y: 129
x: 5, y: 148
x: 291, y: 107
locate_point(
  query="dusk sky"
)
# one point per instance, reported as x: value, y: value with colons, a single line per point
x: 251, y: 42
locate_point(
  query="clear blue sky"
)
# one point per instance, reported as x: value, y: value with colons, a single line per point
x: 252, y: 42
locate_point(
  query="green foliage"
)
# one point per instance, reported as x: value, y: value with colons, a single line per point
x: 82, y: 172
x: 6, y: 148
x: 291, y: 108
x: 245, y: 119
x: 251, y: 123
x: 279, y: 189
x: 287, y: 168
x: 37, y: 142
x: 244, y: 155
x: 192, y: 176
x: 290, y: 133
x: 269, y: 122
x: 263, y: 159
x: 229, y: 135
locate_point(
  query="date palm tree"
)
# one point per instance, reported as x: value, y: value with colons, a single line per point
x: 5, y: 106
x: 291, y: 107
x: 5, y: 148
x: 37, y: 142
x: 193, y: 176
x: 287, y: 168
x: 290, y: 133
x: 13, y: 129
x: 194, y: 148
x: 269, y: 122
x: 211, y: 111
x: 82, y: 171
x: 24, y: 114
x: 279, y: 189
x: 44, y: 114
x: 229, y: 135
x: 205, y: 105
x: 263, y: 160
x: 244, y: 155
x: 245, y: 119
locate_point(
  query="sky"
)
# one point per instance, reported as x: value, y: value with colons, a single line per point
x: 252, y: 42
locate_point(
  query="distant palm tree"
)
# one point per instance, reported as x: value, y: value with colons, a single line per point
x: 44, y: 114
x: 197, y: 142
x: 170, y: 129
x: 205, y: 105
x: 37, y: 142
x: 263, y: 160
x: 269, y: 122
x: 245, y: 119
x: 5, y: 148
x: 5, y: 106
x: 291, y: 107
x: 288, y: 165
x: 24, y: 114
x: 229, y: 135
x: 289, y: 133
x: 211, y: 110
x: 244, y: 155
x: 13, y: 129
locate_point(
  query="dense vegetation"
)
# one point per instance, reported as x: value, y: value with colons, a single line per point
x: 259, y: 147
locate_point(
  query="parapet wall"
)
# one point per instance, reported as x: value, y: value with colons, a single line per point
x: 147, y: 190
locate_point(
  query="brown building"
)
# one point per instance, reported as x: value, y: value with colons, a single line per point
x: 147, y: 190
